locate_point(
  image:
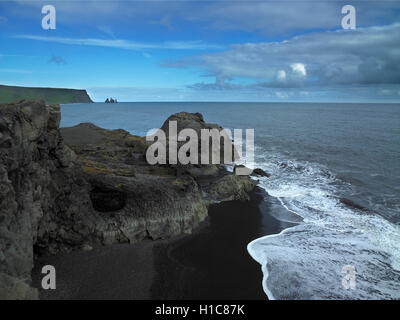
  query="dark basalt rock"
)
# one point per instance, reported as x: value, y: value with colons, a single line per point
x: 254, y: 173
x: 195, y: 121
x: 260, y: 172
x: 66, y: 189
x: 111, y: 100
x: 185, y: 120
x: 104, y: 200
x: 39, y: 190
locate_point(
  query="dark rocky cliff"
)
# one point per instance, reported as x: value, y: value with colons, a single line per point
x: 82, y: 186
x: 49, y: 95
x: 35, y: 171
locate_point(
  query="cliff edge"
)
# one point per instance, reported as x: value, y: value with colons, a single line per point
x: 49, y: 95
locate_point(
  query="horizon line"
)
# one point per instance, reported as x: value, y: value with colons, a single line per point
x: 244, y: 101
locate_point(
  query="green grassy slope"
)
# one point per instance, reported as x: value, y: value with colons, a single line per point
x: 49, y: 95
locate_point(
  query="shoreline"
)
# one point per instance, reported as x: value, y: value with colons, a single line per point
x: 256, y: 258
x: 214, y: 262
x: 263, y: 267
x: 211, y: 263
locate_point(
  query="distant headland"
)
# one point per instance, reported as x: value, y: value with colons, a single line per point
x: 49, y: 95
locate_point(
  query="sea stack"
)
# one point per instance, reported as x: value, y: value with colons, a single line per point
x: 111, y: 100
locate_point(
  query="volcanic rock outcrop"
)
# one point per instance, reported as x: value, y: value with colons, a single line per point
x: 72, y: 188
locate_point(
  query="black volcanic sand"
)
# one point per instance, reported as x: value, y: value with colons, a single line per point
x: 212, y: 263
x: 120, y: 271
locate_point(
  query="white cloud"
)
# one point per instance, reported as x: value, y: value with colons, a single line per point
x: 285, y: 17
x: 299, y: 68
x: 281, y: 76
x: 125, y: 44
x: 265, y: 17
x: 361, y: 56
x: 388, y: 92
x: 282, y: 95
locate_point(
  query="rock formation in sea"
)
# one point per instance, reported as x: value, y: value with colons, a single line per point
x: 72, y: 188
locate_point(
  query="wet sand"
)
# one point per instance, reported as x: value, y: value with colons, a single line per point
x: 212, y: 263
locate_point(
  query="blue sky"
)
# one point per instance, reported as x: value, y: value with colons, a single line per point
x: 222, y: 50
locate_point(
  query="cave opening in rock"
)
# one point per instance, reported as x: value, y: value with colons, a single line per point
x: 106, y: 200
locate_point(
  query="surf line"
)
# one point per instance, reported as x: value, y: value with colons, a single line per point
x: 259, y: 259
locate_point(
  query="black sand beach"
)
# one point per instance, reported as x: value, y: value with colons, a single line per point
x: 212, y: 263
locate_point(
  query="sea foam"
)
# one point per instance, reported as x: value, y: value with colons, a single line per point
x: 306, y: 261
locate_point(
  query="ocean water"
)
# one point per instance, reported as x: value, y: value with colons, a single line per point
x: 334, y: 167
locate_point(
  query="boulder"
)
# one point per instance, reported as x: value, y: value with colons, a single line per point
x: 260, y: 172
x: 195, y: 121
x: 231, y: 187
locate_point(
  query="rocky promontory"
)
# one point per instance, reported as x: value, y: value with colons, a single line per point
x: 49, y: 95
x: 78, y: 187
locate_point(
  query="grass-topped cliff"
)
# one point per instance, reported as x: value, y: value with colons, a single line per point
x: 49, y: 95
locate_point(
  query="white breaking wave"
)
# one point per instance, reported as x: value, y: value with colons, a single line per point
x: 306, y: 261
